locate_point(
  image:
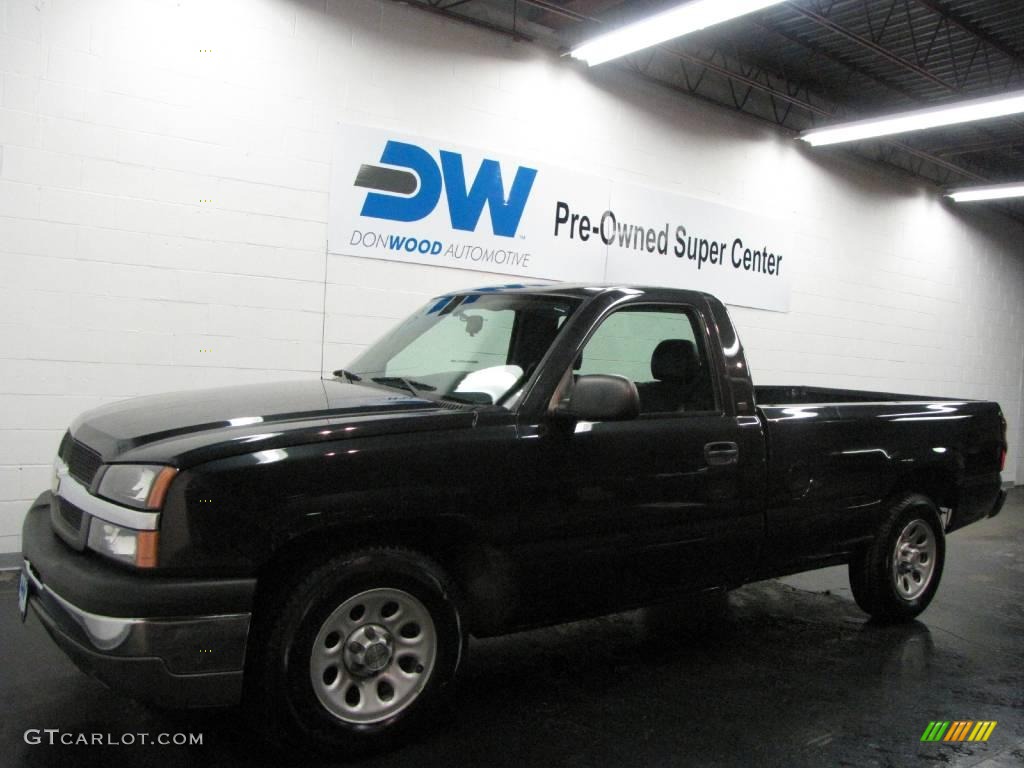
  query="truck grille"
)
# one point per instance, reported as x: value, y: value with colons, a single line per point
x: 69, y: 522
x: 82, y: 460
x: 71, y: 515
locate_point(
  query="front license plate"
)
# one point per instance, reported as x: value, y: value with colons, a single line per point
x: 23, y: 595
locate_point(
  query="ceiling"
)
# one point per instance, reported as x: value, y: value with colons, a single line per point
x: 805, y: 63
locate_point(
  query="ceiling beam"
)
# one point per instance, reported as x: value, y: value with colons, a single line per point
x: 967, y: 148
x: 822, y: 51
x: 748, y: 80
x: 886, y: 53
x: 871, y: 45
x: 972, y: 29
x: 815, y: 109
x: 559, y: 10
x: 426, y: 5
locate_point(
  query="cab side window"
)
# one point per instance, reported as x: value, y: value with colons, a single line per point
x: 660, y: 350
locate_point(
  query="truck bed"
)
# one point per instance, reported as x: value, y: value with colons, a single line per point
x: 835, y: 456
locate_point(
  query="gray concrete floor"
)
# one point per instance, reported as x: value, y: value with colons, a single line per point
x: 785, y: 673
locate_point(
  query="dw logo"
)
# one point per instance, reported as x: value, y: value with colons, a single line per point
x: 411, y: 195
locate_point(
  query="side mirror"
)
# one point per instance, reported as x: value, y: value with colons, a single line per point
x: 601, y: 397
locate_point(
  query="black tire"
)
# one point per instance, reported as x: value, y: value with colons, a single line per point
x: 282, y: 698
x: 873, y: 571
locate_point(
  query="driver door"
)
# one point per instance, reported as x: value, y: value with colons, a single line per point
x: 630, y: 511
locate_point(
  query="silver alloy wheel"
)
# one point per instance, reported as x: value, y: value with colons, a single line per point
x: 373, y: 655
x: 913, y: 561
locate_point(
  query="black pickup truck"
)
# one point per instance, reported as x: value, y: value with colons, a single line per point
x: 504, y: 458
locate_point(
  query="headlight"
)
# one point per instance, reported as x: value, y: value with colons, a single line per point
x: 136, y: 485
x: 126, y: 545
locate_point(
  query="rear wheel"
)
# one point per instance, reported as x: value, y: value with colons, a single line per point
x: 359, y: 656
x: 897, y: 575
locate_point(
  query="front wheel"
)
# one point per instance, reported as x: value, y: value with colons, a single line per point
x: 897, y: 575
x: 359, y: 656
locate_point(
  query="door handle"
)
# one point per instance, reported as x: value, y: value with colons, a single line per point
x: 721, y: 454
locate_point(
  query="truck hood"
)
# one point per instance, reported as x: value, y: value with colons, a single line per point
x: 181, y: 428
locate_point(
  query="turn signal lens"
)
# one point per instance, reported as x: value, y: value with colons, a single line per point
x: 145, y: 551
x: 160, y: 486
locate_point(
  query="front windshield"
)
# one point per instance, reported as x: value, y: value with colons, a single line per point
x: 474, y: 348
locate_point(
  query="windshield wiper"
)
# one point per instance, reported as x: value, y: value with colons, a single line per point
x: 350, y: 377
x: 414, y: 387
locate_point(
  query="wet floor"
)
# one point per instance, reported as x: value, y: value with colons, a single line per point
x: 782, y: 673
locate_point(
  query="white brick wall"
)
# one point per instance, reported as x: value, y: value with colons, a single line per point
x: 114, y: 126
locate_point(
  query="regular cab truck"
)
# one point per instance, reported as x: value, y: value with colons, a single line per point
x: 505, y: 458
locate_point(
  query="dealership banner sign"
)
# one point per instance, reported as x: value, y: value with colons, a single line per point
x: 427, y: 201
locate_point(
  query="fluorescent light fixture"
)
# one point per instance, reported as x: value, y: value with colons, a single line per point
x: 994, y: 192
x: 918, y: 119
x: 675, y: 22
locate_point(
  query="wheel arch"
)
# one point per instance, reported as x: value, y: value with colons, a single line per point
x: 937, y: 482
x: 482, y: 574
